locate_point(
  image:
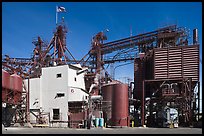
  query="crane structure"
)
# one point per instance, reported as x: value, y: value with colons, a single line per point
x: 53, y: 53
x: 44, y: 54
x: 140, y: 49
x: 128, y: 49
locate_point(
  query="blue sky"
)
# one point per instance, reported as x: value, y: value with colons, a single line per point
x: 24, y: 21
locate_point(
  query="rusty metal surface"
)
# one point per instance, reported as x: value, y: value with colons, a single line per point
x: 3, y: 95
x: 191, y: 62
x: 177, y: 62
x: 107, y: 100
x: 17, y: 97
x: 77, y: 116
x: 97, y: 114
x: 120, y: 105
x: 107, y: 92
x: 5, y: 79
x: 138, y: 77
x: 180, y: 97
x: 131, y: 46
x: 76, y: 119
x: 160, y: 64
x: 11, y: 88
x: 16, y: 83
x: 94, y: 92
x: 178, y: 65
x: 8, y: 95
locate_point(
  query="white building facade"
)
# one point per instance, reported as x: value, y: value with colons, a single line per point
x: 49, y: 95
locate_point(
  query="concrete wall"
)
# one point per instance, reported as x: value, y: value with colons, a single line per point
x: 34, y: 92
x: 76, y: 85
x: 44, y: 90
x: 50, y: 86
x: 72, y: 75
x: 76, y: 94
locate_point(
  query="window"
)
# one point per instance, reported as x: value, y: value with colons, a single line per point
x: 75, y: 79
x: 56, y: 114
x: 60, y: 94
x: 59, y: 75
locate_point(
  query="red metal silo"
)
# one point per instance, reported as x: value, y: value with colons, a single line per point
x: 5, y: 79
x: 16, y: 83
x: 106, y: 91
x: 5, y: 84
x: 17, y: 87
x: 120, y: 104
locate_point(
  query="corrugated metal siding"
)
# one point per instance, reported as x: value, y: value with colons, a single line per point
x: 191, y: 62
x: 177, y: 62
x: 160, y: 63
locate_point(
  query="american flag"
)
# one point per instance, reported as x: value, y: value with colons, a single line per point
x: 61, y: 9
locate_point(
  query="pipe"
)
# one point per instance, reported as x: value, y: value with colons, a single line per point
x: 28, y: 102
x: 96, y: 97
x: 92, y: 86
x: 195, y: 36
x: 143, y: 103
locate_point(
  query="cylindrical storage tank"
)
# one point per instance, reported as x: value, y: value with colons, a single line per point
x: 106, y: 91
x: 97, y: 122
x: 17, y: 87
x: 5, y: 79
x: 120, y: 104
x: 101, y: 122
x: 16, y: 83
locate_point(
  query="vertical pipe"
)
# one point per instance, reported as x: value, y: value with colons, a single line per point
x: 143, y: 103
x: 198, y: 99
x: 131, y: 90
x: 98, y: 58
x: 27, y: 102
x: 89, y: 113
x: 195, y: 36
x: 191, y: 98
x: 55, y: 47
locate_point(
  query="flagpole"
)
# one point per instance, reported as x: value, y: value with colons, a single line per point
x: 56, y: 15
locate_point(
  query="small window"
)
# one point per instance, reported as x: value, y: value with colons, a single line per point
x: 60, y: 94
x: 56, y: 114
x: 75, y: 79
x: 59, y: 75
